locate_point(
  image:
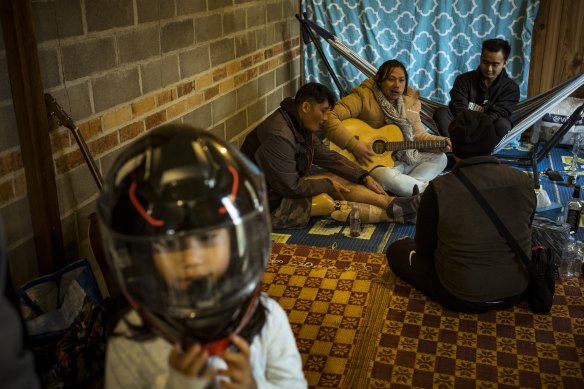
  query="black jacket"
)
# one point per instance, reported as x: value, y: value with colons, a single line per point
x: 285, y: 150
x: 473, y: 261
x: 497, y: 101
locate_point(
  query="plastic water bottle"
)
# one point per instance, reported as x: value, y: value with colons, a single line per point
x: 573, y: 210
x: 355, y: 221
x: 573, y: 172
x: 571, y: 261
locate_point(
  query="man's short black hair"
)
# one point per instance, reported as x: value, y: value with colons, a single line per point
x: 313, y: 91
x: 496, y: 45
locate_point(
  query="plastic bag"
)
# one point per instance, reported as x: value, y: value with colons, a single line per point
x: 551, y: 122
x: 551, y: 234
x: 65, y: 321
x: 541, y: 289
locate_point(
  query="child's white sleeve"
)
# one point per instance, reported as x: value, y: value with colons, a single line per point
x: 283, y: 364
x: 131, y: 364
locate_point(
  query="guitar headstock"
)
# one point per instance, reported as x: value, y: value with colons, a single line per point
x: 55, y: 110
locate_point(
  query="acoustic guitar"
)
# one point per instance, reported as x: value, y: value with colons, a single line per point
x: 384, y: 141
x: 54, y: 110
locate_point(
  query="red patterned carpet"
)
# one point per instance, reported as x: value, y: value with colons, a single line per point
x: 358, y: 327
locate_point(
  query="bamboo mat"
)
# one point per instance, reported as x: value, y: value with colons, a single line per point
x: 357, y: 326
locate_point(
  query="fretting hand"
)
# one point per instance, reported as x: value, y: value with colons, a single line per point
x: 448, y: 147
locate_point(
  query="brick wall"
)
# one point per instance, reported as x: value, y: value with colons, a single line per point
x: 123, y: 67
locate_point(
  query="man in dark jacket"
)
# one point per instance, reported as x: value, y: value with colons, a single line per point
x: 285, y: 147
x: 458, y: 258
x: 486, y: 89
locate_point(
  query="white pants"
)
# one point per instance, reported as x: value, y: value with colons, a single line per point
x: 401, y: 178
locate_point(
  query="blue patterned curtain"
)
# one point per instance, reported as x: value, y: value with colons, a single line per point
x: 435, y: 39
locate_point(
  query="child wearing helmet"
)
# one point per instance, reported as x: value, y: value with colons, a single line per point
x: 187, y: 235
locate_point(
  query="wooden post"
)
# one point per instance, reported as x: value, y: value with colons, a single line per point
x: 33, y: 130
x: 557, y: 52
x: 570, y: 55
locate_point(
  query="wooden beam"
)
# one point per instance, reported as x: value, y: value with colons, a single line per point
x: 33, y: 130
x: 570, y: 57
x: 548, y: 63
x: 540, y: 28
x: 557, y: 51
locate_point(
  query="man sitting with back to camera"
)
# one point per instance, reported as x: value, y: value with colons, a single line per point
x: 458, y: 258
x: 487, y: 89
x: 285, y: 147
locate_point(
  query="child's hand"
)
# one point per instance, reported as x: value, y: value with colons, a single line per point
x: 191, y: 362
x: 238, y: 367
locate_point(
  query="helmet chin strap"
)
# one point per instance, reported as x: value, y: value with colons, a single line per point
x: 218, y: 346
x: 170, y: 334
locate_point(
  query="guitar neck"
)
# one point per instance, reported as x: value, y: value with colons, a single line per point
x: 416, y: 144
x: 54, y: 110
x: 88, y: 158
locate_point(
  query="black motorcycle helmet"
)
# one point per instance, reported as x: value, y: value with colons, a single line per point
x: 186, y: 231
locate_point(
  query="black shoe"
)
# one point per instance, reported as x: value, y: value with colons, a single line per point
x: 404, y: 209
x: 416, y: 190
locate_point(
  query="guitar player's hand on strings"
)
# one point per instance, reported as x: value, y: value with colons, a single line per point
x: 363, y: 153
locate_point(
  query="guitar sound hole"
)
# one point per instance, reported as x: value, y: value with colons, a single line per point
x: 378, y: 147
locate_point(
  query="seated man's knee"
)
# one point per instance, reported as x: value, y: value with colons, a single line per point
x: 398, y: 254
x: 502, y: 127
x: 442, y: 117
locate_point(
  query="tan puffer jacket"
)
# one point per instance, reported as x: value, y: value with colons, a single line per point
x: 361, y: 104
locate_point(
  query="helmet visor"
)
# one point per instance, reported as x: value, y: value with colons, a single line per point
x: 196, y: 274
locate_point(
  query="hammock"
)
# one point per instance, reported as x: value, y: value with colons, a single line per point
x: 526, y: 113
